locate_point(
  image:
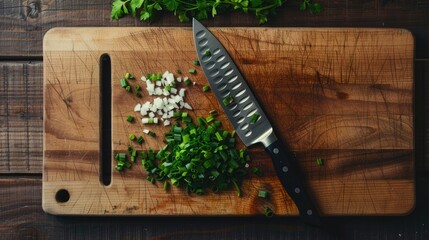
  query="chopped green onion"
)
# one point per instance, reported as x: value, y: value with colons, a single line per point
x: 178, y: 71
x: 139, y: 95
x: 150, y: 179
x: 196, y: 62
x: 130, y: 119
x: 129, y: 76
x: 262, y: 194
x: 228, y: 100
x: 132, y: 137
x: 130, y: 149
x: 123, y: 82
x: 192, y: 71
x: 188, y: 82
x: 207, y: 52
x: 206, y: 88
x: 237, y: 188
x: 255, y: 118
x: 138, y: 88
x: 197, y: 157
x: 257, y: 171
x: 128, y: 88
x: 140, y: 139
x: 213, y: 113
x: 166, y: 186
x: 152, y: 134
x: 268, y: 212
x: 319, y: 161
x: 168, y: 87
x: 209, y: 119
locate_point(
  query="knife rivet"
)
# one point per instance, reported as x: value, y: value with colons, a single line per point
x: 297, y: 190
x: 275, y: 150
x: 309, y: 212
x: 285, y: 169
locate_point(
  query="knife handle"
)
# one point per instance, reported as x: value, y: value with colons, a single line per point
x: 292, y: 180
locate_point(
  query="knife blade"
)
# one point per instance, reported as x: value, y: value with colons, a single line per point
x: 240, y: 106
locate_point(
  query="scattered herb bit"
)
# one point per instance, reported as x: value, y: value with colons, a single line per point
x: 178, y: 71
x: 206, y: 88
x: 257, y: 171
x: 129, y: 76
x: 188, y: 82
x: 166, y: 185
x: 130, y: 119
x: 228, y: 100
x: 138, y: 88
x: 128, y: 88
x: 213, y: 113
x: 124, y: 83
x: 319, y: 161
x: 140, y: 139
x: 268, y: 212
x: 262, y: 194
x: 139, y: 95
x: 130, y: 149
x: 207, y: 52
x: 152, y: 134
x: 132, y: 137
x: 196, y: 63
x: 255, y: 118
x: 192, y: 71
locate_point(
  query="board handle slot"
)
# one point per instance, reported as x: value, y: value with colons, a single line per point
x: 105, y: 120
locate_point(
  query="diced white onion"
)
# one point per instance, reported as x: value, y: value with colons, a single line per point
x: 138, y: 107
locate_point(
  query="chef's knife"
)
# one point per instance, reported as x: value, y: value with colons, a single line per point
x: 242, y: 109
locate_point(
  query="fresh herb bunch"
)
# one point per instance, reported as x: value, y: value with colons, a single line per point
x: 146, y: 10
x: 198, y: 157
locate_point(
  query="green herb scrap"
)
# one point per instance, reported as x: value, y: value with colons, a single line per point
x: 146, y: 10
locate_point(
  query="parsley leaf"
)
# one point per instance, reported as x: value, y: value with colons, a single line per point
x: 171, y: 5
x: 117, y: 11
x: 135, y: 4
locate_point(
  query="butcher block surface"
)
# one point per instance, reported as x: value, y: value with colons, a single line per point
x: 341, y: 94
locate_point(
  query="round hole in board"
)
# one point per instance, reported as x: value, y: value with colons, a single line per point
x: 62, y: 196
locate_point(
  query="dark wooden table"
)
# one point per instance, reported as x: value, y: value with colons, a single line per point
x: 22, y: 26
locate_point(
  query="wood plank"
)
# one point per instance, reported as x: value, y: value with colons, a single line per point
x: 337, y: 92
x: 23, y: 25
x: 21, y: 123
x: 22, y: 217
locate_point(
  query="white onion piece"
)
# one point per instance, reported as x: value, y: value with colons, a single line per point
x: 138, y: 107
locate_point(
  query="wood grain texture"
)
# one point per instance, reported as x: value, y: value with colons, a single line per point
x: 22, y: 217
x: 23, y: 23
x: 341, y: 94
x: 34, y: 153
x: 21, y: 107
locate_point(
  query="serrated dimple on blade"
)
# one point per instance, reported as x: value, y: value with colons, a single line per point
x: 226, y: 81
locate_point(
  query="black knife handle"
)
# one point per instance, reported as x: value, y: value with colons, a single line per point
x: 292, y: 180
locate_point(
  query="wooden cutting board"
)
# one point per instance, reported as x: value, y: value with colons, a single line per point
x: 341, y: 94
